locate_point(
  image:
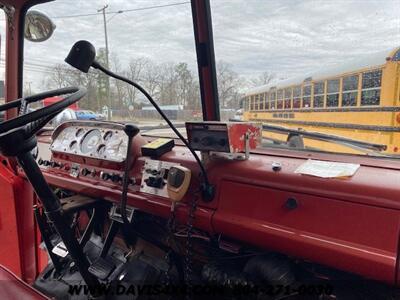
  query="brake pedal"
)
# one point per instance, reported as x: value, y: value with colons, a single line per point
x: 101, y: 268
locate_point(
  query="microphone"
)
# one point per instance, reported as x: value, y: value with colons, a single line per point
x: 82, y: 56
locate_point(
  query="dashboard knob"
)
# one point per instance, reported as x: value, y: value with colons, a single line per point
x: 105, y: 176
x: 46, y: 163
x: 85, y: 172
x: 207, y: 141
x: 116, y: 178
x: 55, y: 164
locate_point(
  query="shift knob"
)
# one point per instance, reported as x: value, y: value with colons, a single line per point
x: 131, y: 130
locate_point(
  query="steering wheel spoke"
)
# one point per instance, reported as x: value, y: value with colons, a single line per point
x: 31, y: 122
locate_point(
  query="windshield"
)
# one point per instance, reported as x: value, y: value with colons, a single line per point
x: 319, y: 75
x: 150, y: 42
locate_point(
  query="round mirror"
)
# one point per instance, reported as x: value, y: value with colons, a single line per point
x: 38, y: 27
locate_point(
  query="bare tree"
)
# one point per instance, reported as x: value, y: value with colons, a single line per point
x: 229, y: 85
x: 167, y: 84
x: 137, y: 67
x: 264, y: 78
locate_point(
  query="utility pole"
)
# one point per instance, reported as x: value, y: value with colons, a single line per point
x: 103, y: 9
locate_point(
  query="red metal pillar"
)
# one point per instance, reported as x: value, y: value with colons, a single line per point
x: 202, y: 26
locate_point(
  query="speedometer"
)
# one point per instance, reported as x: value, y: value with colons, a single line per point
x: 90, y: 141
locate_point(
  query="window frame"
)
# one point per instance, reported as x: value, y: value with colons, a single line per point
x: 351, y: 90
x: 376, y: 89
x: 328, y: 93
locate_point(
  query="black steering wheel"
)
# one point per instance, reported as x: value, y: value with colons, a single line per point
x: 26, y: 124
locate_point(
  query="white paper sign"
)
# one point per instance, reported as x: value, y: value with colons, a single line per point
x: 327, y: 169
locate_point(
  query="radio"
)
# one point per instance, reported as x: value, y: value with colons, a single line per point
x: 225, y: 137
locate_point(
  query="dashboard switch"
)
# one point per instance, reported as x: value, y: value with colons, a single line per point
x: 86, y: 172
x: 46, y: 163
x: 105, y: 175
x: 155, y: 182
x: 55, y: 164
x: 116, y: 178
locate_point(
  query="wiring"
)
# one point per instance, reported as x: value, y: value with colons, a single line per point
x: 121, y: 11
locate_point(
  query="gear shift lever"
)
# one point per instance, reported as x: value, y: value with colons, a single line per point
x: 131, y: 131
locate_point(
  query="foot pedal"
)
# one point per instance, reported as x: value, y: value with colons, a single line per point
x: 101, y: 268
x: 60, y: 250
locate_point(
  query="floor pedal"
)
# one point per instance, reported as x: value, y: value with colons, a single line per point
x: 101, y: 268
x: 60, y: 250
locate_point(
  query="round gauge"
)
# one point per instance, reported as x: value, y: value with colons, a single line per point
x: 116, y: 148
x: 73, y: 146
x: 90, y: 141
x: 108, y: 135
x: 79, y: 132
x: 101, y: 149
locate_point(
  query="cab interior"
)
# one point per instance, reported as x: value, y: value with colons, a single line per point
x: 99, y: 204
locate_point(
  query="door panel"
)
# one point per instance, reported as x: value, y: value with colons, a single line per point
x: 17, y: 228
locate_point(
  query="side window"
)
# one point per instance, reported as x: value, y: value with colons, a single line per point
x: 296, y: 97
x: 319, y: 94
x: 257, y: 102
x: 262, y: 107
x: 288, y: 98
x: 307, y: 96
x: 350, y: 90
x: 272, y: 98
x: 371, y: 88
x: 332, y: 97
x: 280, y: 99
x: 266, y: 104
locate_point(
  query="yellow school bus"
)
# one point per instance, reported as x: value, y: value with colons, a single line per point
x: 359, y: 100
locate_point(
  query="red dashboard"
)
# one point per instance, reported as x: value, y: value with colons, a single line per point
x: 351, y: 224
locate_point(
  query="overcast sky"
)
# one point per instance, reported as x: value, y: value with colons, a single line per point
x: 286, y: 37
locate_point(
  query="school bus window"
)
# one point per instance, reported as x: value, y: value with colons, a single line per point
x: 272, y: 99
x: 332, y: 98
x: 265, y: 101
x: 280, y: 99
x: 288, y: 98
x: 257, y: 102
x: 319, y: 94
x: 350, y: 90
x: 296, y: 97
x: 307, y: 96
x: 371, y: 87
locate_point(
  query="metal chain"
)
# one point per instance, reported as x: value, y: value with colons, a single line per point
x: 189, y: 247
x: 171, y: 230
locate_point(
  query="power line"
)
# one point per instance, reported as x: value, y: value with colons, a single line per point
x: 120, y: 11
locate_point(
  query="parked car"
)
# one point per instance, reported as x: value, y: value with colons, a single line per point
x: 88, y: 115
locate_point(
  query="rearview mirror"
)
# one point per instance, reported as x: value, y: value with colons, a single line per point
x: 38, y: 26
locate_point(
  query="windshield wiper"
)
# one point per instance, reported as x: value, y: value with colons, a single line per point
x: 327, y: 137
x: 352, y: 143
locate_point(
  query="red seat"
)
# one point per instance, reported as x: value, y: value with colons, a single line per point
x: 11, y: 287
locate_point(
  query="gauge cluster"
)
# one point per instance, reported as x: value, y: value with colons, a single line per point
x: 106, y: 141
